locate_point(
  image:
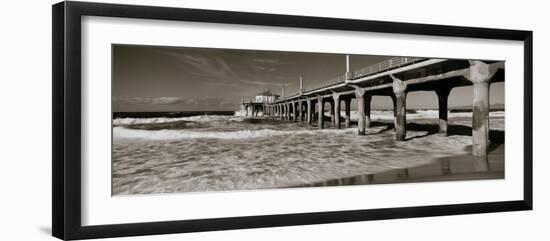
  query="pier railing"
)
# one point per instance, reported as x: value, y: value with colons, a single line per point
x: 329, y: 82
x: 386, y: 65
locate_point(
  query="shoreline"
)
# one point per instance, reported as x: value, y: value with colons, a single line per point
x: 444, y: 169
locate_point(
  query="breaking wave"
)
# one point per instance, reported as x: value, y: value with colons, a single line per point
x: 157, y: 120
x: 125, y: 133
x: 375, y: 115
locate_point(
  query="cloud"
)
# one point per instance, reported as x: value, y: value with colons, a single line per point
x: 149, y: 100
x: 266, y: 61
x: 263, y: 83
x: 159, y: 101
x: 205, y: 65
x: 264, y: 68
x: 220, y: 72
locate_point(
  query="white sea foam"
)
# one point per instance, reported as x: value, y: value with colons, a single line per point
x: 197, y: 118
x: 239, y: 116
x: 240, y: 113
x: 387, y: 115
x: 243, y: 113
x: 133, y: 121
x: 126, y: 133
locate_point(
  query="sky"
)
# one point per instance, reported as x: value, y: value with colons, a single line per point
x: 152, y: 78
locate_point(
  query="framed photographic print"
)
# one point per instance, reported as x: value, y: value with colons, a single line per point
x: 169, y: 120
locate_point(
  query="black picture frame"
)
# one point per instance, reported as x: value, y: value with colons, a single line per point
x: 66, y: 128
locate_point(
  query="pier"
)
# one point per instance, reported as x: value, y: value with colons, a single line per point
x: 395, y: 77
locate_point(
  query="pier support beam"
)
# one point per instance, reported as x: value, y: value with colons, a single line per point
x: 321, y: 105
x: 442, y: 98
x: 304, y: 110
x: 308, y: 106
x: 393, y: 103
x: 347, y: 106
x: 295, y: 109
x: 400, y: 91
x: 331, y: 111
x: 480, y: 75
x: 301, y: 111
x: 368, y: 99
x: 287, y: 111
x: 289, y: 114
x: 360, y: 96
x: 336, y: 112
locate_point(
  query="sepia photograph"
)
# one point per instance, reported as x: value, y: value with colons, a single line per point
x: 190, y: 119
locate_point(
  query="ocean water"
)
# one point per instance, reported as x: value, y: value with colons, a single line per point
x: 197, y: 152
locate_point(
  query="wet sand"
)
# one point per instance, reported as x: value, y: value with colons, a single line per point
x: 451, y: 168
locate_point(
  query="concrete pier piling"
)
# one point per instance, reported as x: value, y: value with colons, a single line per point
x: 480, y: 74
x: 480, y: 119
x: 321, y: 107
x: 296, y: 112
x: 442, y: 99
x: 301, y: 111
x: 308, y: 107
x: 360, y: 96
x: 331, y: 110
x: 347, y: 105
x: 289, y: 110
x: 336, y: 110
x: 292, y: 113
x: 400, y: 90
x: 368, y: 99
